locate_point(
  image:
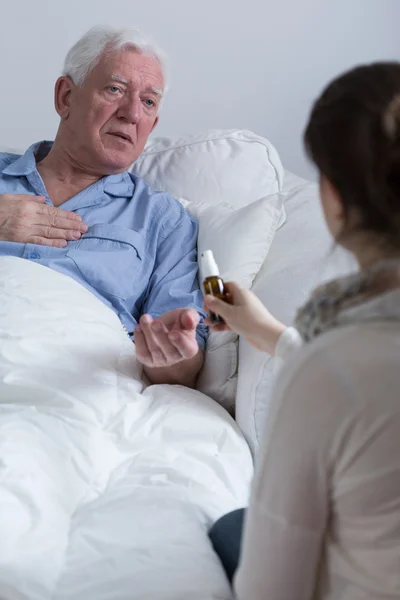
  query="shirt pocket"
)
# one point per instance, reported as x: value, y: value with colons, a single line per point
x: 109, y: 258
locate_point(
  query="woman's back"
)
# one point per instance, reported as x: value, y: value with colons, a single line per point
x: 329, y: 475
x: 363, y: 540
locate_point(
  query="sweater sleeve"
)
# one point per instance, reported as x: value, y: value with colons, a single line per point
x: 289, y: 342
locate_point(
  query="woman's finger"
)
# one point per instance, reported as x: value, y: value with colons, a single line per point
x: 220, y: 328
x: 232, y: 288
x: 218, y: 306
x: 217, y: 326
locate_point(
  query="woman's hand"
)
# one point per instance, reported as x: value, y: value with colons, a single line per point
x: 246, y: 315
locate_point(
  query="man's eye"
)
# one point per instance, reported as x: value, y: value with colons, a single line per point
x: 113, y: 89
x: 149, y: 102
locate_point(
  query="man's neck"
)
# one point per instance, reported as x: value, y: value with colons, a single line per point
x: 62, y: 176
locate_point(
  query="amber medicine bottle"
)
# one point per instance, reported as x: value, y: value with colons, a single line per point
x: 213, y: 284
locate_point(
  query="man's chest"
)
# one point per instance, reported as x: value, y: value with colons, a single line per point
x: 115, y: 257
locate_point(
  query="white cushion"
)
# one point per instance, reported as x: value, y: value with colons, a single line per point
x: 301, y: 256
x: 240, y: 240
x: 233, y: 166
x: 218, y: 172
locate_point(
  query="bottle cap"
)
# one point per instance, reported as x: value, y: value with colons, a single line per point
x: 208, y: 265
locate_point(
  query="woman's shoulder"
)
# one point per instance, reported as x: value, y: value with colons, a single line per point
x: 353, y: 361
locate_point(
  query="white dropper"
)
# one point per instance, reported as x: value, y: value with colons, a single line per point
x: 208, y: 265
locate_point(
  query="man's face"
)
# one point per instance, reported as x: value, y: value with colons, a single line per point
x: 109, y: 118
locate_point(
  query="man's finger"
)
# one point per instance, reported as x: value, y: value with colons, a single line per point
x: 142, y: 350
x: 185, y: 345
x: 19, y: 197
x: 54, y: 212
x: 189, y: 319
x: 160, y: 333
x: 38, y: 199
x: 60, y: 222
x: 53, y: 233
x: 42, y: 241
x: 158, y: 357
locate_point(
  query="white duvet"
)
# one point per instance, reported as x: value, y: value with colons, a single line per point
x: 106, y: 491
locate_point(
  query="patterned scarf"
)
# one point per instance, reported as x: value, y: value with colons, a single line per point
x: 371, y: 294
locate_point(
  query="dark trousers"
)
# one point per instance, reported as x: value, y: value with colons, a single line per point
x: 226, y: 537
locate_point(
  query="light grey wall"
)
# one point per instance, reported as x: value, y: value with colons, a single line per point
x: 254, y: 64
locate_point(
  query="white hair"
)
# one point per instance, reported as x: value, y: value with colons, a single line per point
x: 87, y: 51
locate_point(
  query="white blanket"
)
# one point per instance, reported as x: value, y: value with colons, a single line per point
x: 107, y: 490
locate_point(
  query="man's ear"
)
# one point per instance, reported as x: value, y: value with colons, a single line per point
x: 155, y: 123
x: 62, y: 96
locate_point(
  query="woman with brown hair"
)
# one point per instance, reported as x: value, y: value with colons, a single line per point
x: 324, y: 517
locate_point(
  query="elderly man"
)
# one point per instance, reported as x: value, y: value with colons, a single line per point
x: 72, y: 206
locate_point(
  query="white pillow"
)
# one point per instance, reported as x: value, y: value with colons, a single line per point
x: 233, y: 166
x: 240, y: 240
x: 229, y: 170
x: 300, y: 257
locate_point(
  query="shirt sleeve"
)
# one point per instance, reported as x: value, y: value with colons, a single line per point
x: 174, y: 280
x: 289, y: 506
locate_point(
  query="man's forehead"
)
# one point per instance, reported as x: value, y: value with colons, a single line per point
x: 127, y: 66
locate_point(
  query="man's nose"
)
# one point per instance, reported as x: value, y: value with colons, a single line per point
x: 130, y: 109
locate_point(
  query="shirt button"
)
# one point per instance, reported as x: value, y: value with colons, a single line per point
x: 34, y: 255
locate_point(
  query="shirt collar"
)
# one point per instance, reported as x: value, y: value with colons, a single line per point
x: 120, y: 185
x: 115, y: 185
x: 26, y: 164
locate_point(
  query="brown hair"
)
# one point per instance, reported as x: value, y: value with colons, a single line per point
x: 353, y: 137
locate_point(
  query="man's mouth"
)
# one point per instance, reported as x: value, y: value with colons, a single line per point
x: 122, y: 136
